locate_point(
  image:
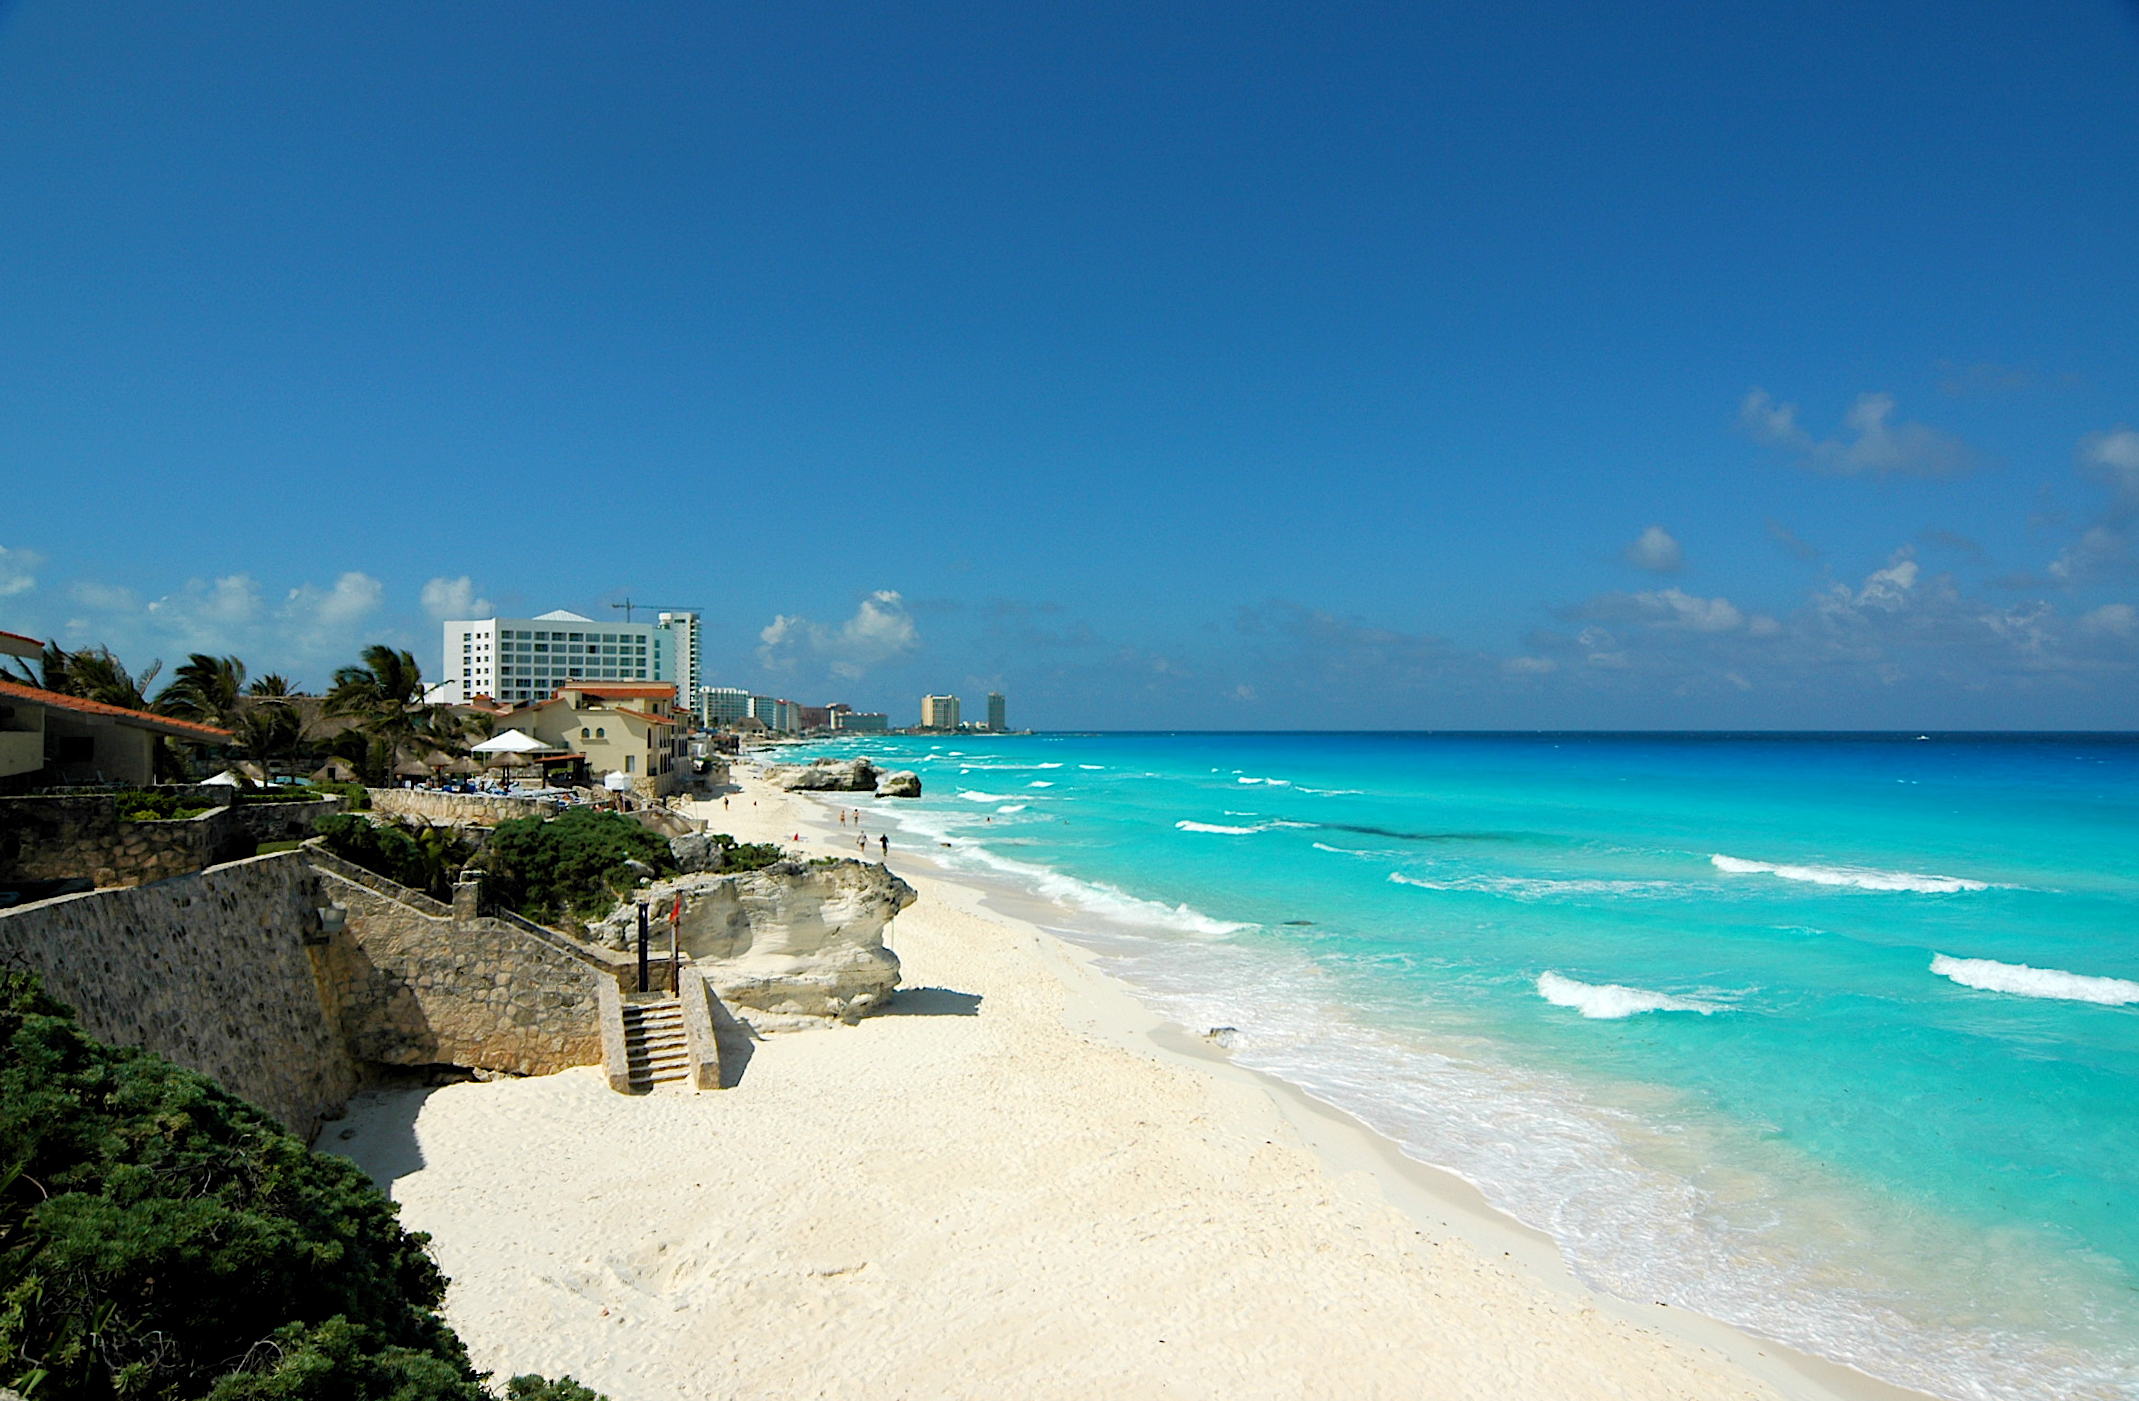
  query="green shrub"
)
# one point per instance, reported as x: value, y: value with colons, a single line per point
x: 359, y: 800
x: 746, y: 856
x: 158, y: 1232
x: 570, y: 863
x: 428, y: 861
x: 534, y: 1388
x: 138, y: 806
x: 162, y: 1239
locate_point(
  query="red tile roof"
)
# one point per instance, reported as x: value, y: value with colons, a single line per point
x: 164, y: 724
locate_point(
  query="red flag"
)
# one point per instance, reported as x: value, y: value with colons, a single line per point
x: 675, y: 914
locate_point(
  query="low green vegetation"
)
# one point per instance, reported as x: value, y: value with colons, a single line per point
x: 357, y: 799
x: 574, y: 864
x: 746, y: 856
x: 163, y: 1240
x: 135, y: 805
x: 429, y: 860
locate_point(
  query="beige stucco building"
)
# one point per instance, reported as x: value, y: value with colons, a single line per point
x: 623, y: 728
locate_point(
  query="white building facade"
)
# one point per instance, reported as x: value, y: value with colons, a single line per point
x: 683, y: 641
x: 520, y: 660
x: 722, y: 705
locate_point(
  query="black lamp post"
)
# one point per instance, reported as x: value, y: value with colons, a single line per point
x: 642, y: 946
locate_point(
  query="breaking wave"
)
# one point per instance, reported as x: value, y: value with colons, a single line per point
x: 1532, y: 887
x: 1857, y: 877
x: 1215, y: 827
x: 1613, y: 1001
x: 2020, y: 980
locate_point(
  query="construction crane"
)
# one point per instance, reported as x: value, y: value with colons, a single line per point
x: 627, y: 605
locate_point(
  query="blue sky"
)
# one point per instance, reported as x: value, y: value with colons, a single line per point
x: 1231, y: 366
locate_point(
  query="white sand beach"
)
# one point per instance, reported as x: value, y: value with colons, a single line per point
x: 1017, y: 1183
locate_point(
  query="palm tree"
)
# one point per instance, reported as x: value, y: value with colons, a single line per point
x: 51, y: 673
x: 206, y: 689
x: 93, y: 674
x: 272, y: 684
x: 384, y: 696
x: 269, y: 730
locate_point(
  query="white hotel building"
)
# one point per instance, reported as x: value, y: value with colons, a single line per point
x: 518, y: 660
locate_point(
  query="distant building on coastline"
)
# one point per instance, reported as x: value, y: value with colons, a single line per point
x: 518, y: 660
x: 997, y: 710
x: 782, y: 717
x: 939, y: 712
x: 813, y: 717
x: 683, y: 632
x: 859, y: 722
x: 720, y: 706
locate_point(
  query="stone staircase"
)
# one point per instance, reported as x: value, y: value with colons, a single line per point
x: 655, y: 1047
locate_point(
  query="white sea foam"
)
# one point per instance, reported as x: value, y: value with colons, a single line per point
x: 1215, y: 827
x: 2022, y: 981
x: 1612, y: 1001
x: 974, y: 795
x: 1013, y: 807
x: 1039, y: 783
x: 1858, y: 877
x: 1094, y: 767
x: 1530, y: 887
x: 1273, y: 782
x: 1048, y: 766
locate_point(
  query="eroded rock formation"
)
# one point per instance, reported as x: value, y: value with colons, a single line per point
x: 905, y: 783
x: 826, y: 776
x: 696, y: 853
x: 790, y: 946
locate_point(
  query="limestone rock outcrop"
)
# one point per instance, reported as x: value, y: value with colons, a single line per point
x: 827, y: 776
x: 904, y: 783
x: 697, y: 853
x: 793, y: 945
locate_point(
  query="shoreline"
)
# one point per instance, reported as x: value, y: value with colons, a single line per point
x: 1025, y: 1182
x: 1432, y: 1196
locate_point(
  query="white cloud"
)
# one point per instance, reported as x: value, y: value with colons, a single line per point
x: 208, y: 617
x: 1655, y: 551
x: 18, y: 571
x: 2111, y: 620
x: 880, y: 631
x: 1529, y: 666
x: 108, y: 598
x: 1889, y: 588
x: 1879, y: 447
x: 2104, y: 548
x: 1673, y: 608
x: 2115, y: 455
x: 446, y: 599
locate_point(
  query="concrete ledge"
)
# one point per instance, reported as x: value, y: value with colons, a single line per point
x: 616, y: 1064
x: 698, y: 1000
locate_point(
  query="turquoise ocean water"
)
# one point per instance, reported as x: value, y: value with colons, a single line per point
x: 1836, y: 1038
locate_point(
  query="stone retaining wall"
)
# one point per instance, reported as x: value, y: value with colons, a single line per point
x: 418, y: 986
x: 458, y: 809
x: 84, y: 836
x: 214, y: 970
x: 230, y: 972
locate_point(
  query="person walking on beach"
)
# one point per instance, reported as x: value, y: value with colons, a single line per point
x: 861, y: 840
x: 884, y: 842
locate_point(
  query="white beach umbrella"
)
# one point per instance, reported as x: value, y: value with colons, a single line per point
x: 515, y: 742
